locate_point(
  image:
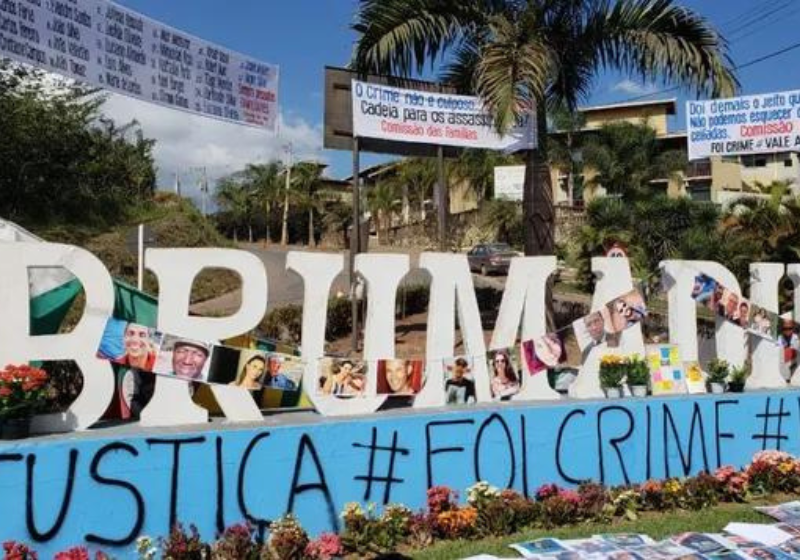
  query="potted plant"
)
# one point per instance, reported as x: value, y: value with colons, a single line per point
x: 718, y: 371
x: 22, y: 394
x: 638, y: 376
x: 738, y: 379
x: 612, y: 372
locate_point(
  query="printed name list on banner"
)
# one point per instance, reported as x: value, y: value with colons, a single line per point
x: 103, y: 44
x: 407, y: 115
x: 744, y: 125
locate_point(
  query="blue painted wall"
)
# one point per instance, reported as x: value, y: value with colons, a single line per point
x: 123, y: 486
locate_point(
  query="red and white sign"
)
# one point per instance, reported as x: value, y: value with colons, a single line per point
x: 407, y: 115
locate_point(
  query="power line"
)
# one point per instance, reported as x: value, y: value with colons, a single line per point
x: 761, y: 17
x: 746, y: 14
x: 736, y: 67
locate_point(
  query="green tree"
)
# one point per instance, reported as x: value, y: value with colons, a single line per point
x: 308, y: 192
x: 417, y: 178
x: 235, y: 201
x: 477, y: 168
x: 771, y: 220
x: 563, y: 145
x: 383, y: 201
x: 521, y: 56
x: 627, y: 159
x: 63, y: 161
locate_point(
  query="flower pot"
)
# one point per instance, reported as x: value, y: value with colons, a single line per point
x: 736, y: 387
x: 638, y: 390
x: 613, y: 392
x: 716, y: 388
x: 15, y: 428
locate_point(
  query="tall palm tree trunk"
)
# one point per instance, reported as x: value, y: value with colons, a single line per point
x: 285, y: 225
x: 311, y: 241
x: 537, y: 195
x: 267, y: 212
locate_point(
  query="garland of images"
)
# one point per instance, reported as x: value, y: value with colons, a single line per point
x: 274, y: 369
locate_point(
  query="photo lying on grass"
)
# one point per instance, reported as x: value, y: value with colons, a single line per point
x: 459, y: 386
x: 184, y: 358
x: 504, y: 374
x: 129, y: 344
x: 342, y: 377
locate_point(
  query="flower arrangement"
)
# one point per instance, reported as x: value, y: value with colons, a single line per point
x: 326, y: 547
x: 612, y: 371
x: 22, y: 391
x: 718, y: 371
x: 236, y: 543
x: 638, y: 372
x: 180, y: 545
x: 13, y: 550
x: 287, y: 539
x: 489, y: 511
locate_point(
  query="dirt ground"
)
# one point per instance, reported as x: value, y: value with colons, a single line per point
x: 410, y: 337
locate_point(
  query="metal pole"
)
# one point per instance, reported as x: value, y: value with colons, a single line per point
x: 441, y: 199
x: 355, y: 242
x: 140, y: 252
x: 285, y: 225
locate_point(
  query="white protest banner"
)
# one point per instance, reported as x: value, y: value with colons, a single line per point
x: 106, y: 45
x: 744, y: 125
x: 406, y: 115
x: 508, y: 181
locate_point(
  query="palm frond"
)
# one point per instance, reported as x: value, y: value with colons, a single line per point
x: 661, y: 41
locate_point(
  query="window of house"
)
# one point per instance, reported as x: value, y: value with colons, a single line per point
x: 787, y: 162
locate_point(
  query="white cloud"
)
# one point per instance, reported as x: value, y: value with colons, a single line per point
x: 630, y: 87
x: 185, y: 141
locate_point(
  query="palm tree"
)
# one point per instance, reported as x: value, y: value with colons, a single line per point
x: 774, y: 221
x: 307, y: 186
x: 563, y: 144
x: 477, y: 168
x: 262, y: 182
x: 627, y: 160
x: 383, y: 202
x: 521, y: 56
x: 233, y: 198
x: 417, y: 177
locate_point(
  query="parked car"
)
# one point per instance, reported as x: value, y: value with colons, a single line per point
x: 489, y: 258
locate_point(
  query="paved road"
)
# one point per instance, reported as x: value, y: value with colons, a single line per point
x: 286, y: 287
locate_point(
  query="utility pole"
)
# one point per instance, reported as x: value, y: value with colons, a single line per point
x: 204, y: 190
x: 178, y: 183
x: 285, y: 227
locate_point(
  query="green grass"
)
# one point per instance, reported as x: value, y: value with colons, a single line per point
x: 657, y: 525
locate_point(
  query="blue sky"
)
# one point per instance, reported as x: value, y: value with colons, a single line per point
x: 302, y: 36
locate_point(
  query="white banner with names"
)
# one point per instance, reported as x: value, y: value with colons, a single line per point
x: 103, y: 44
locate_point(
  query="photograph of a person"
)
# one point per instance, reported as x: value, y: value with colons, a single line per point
x: 184, y: 358
x: 224, y: 366
x: 285, y: 372
x: 399, y: 377
x: 703, y: 290
x: 459, y: 387
x: 626, y: 311
x: 743, y: 315
x: 342, y: 377
x: 763, y: 322
x: 728, y: 305
x: 543, y: 352
x: 504, y: 378
x: 594, y: 330
x: 129, y: 344
x: 790, y: 342
x: 251, y: 370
